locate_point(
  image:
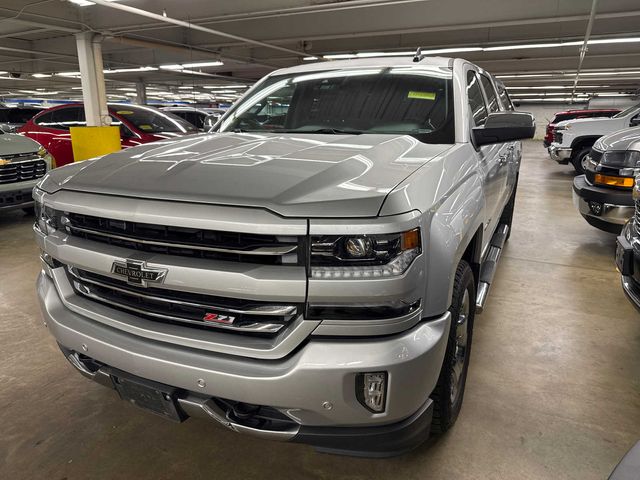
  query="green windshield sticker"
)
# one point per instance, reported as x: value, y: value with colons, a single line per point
x: 124, y: 112
x: 422, y: 95
x: 145, y: 127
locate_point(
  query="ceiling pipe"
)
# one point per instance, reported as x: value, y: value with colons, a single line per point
x: 182, y: 23
x: 584, y: 48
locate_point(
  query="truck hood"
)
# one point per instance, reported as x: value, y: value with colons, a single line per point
x: 293, y: 175
x: 627, y: 139
x: 12, y: 144
x: 593, y: 126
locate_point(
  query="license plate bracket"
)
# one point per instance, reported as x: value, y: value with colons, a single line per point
x: 151, y: 396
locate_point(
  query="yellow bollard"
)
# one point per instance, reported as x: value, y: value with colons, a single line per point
x: 90, y: 142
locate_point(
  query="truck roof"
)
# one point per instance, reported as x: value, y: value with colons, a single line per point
x: 380, y: 62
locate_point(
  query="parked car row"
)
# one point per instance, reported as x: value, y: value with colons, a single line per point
x: 44, y: 141
x: 606, y: 154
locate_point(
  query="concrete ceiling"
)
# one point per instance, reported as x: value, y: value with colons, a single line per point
x: 37, y: 37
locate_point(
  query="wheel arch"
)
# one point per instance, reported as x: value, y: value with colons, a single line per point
x: 583, y: 141
x: 456, y: 231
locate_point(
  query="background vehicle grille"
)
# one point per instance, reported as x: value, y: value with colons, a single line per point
x: 19, y: 169
x: 636, y: 218
x: 188, y: 242
x: 184, y: 308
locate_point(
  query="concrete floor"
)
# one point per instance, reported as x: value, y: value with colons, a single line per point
x: 553, y: 389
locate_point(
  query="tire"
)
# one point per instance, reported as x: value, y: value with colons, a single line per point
x: 579, y: 160
x: 449, y: 391
x: 507, y: 213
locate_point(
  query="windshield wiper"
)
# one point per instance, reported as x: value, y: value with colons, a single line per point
x: 333, y: 131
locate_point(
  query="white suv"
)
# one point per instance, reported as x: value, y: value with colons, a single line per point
x: 573, y: 139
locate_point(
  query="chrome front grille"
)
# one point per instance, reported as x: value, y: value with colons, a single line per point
x: 21, y: 168
x: 636, y: 217
x: 184, y: 308
x: 189, y: 242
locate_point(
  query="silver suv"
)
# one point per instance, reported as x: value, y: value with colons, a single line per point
x: 310, y: 271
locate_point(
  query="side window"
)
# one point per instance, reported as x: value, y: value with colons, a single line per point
x: 491, y: 93
x: 45, y: 120
x: 504, y: 96
x: 64, y: 118
x: 476, y: 100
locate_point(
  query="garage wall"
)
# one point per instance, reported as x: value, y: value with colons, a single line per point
x: 544, y: 112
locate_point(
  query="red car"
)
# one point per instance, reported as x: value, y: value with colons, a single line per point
x: 573, y: 114
x: 138, y: 124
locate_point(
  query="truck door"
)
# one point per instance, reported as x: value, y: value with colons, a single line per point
x: 505, y: 175
x: 488, y: 156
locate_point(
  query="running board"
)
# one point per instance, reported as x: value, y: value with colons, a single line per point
x: 488, y: 268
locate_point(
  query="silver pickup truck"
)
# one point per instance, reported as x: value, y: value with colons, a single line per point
x: 310, y: 270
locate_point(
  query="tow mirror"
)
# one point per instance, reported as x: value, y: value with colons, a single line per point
x: 504, y: 127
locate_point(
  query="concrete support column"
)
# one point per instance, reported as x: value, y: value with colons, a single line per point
x: 92, y: 77
x: 141, y: 93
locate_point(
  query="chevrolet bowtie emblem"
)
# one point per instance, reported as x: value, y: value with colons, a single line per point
x: 137, y: 273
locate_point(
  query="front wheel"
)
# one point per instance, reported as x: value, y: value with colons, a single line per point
x: 580, y: 160
x: 449, y: 391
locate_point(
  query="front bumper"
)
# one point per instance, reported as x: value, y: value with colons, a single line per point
x: 17, y: 195
x: 602, y: 206
x: 628, y: 264
x: 559, y: 154
x: 302, y: 386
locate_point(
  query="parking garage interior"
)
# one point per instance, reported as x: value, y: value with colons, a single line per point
x: 553, y: 387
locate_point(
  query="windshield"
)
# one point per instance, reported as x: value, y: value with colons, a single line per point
x: 403, y: 100
x: 626, y: 112
x: 150, y: 120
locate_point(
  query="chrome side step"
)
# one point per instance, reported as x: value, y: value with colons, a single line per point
x: 489, y: 266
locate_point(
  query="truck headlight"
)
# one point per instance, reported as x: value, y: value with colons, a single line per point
x: 621, y: 159
x: 46, y: 217
x: 363, y: 256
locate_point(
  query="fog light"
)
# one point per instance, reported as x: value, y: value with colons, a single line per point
x: 371, y: 390
x: 596, y: 208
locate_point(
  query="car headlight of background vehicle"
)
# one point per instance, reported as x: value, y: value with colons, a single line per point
x: 363, y: 256
x: 44, y: 154
x: 621, y: 159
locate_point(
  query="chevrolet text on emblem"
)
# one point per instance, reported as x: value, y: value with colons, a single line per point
x: 137, y: 273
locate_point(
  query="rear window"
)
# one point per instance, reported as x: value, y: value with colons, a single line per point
x: 150, y: 120
x: 17, y: 115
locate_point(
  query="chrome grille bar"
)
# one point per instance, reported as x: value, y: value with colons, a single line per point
x: 262, y: 250
x: 256, y: 327
x: 246, y: 317
x: 262, y: 310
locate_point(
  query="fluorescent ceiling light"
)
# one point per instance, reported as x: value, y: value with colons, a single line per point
x: 127, y: 70
x: 215, y: 63
x: 178, y: 66
x: 86, y: 3
x: 550, y: 87
x: 185, y: 87
x: 212, y: 87
x: 522, y: 46
x: 41, y: 75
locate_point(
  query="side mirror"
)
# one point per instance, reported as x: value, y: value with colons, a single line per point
x: 504, y: 127
x: 635, y: 121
